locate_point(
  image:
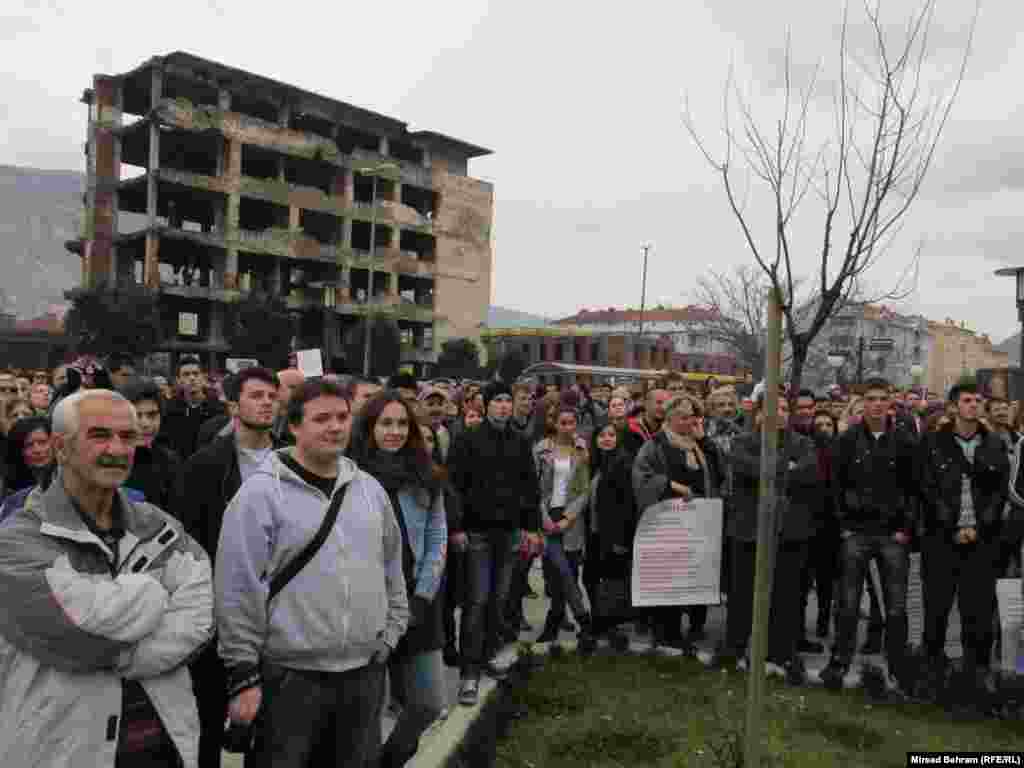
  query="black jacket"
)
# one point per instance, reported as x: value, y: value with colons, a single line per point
x: 876, y: 483
x: 494, y: 472
x: 206, y: 484
x: 800, y: 514
x: 154, y: 473
x: 181, y: 424
x: 614, y: 507
x: 943, y: 466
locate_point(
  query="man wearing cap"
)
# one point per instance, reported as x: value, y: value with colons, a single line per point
x: 492, y: 468
x: 435, y: 404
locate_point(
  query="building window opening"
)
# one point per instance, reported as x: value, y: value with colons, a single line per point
x: 255, y: 273
x: 361, y: 236
x: 416, y: 244
x: 400, y: 150
x: 382, y: 236
x: 423, y: 201
x: 414, y: 290
x: 259, y: 163
x: 359, y: 285
x: 188, y: 209
x: 183, y: 263
x: 259, y: 215
x: 254, y: 106
x: 381, y: 285
x: 185, y: 151
x: 309, y: 123
x: 309, y: 173
x: 350, y: 139
x: 195, y: 93
x: 325, y: 228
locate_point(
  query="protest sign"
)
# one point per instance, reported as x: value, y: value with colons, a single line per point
x: 677, y: 554
x: 310, y: 363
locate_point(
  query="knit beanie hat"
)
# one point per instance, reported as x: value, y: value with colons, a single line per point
x: 495, y: 388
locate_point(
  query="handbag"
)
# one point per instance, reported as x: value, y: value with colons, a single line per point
x: 238, y: 737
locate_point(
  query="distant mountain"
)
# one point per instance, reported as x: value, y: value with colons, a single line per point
x: 39, y: 211
x: 500, y: 317
x: 1011, y: 347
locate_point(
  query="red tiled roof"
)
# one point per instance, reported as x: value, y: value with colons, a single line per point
x: 613, y: 316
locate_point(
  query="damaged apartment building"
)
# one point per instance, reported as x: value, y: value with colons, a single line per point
x: 206, y: 183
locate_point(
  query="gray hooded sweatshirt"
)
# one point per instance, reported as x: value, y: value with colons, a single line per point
x: 332, y: 612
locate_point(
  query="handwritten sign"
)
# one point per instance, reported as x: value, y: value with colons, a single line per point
x: 677, y: 554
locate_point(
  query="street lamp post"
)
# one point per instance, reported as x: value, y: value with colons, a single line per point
x: 835, y: 361
x: 1018, y: 274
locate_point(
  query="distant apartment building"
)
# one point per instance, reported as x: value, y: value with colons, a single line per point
x: 959, y: 351
x: 683, y: 329
x: 863, y: 334
x: 239, y: 183
x: 554, y: 344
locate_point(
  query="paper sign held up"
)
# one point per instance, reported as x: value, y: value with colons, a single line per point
x: 311, y: 363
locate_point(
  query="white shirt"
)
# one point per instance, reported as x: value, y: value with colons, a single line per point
x: 560, y: 486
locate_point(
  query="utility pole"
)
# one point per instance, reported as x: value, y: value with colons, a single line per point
x: 643, y: 302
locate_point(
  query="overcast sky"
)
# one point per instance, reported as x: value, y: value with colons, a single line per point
x: 582, y: 105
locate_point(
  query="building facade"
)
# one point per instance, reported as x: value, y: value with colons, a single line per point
x: 228, y: 183
x: 959, y: 351
x: 572, y: 345
x: 684, y: 329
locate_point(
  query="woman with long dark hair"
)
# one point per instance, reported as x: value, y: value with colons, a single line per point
x: 29, y: 458
x: 611, y: 518
x: 387, y: 443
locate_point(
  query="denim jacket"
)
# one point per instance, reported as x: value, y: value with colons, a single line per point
x: 427, y: 529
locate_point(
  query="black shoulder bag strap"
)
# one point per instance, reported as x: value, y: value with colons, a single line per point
x: 286, y: 574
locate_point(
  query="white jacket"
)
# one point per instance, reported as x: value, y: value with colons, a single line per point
x: 74, y: 625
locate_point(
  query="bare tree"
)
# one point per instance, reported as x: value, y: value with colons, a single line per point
x: 864, y: 174
x: 736, y: 304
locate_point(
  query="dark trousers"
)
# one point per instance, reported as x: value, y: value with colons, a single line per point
x: 561, y: 573
x: 967, y: 571
x: 855, y: 551
x: 210, y: 684
x: 309, y: 719
x: 454, y: 589
x: 491, y: 560
x: 785, y: 605
x: 820, y: 569
x: 514, y: 613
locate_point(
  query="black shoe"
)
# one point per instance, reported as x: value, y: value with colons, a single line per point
x: 550, y: 632
x: 809, y: 646
x: 832, y: 676
x: 524, y: 625
x: 872, y: 646
x: 695, y: 634
x: 451, y: 656
x: 618, y: 640
x: 796, y: 672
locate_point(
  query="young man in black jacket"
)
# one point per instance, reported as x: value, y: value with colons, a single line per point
x: 156, y: 466
x: 207, y: 483
x: 965, y: 477
x: 876, y: 497
x: 184, y: 415
x: 492, y: 468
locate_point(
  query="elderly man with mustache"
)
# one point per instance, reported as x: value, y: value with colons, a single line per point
x: 105, y: 599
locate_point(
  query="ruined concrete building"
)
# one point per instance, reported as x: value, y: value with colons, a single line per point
x: 240, y: 183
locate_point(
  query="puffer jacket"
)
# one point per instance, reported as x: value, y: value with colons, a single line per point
x: 74, y: 625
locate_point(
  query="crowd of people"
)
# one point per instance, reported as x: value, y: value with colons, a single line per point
x: 285, y: 555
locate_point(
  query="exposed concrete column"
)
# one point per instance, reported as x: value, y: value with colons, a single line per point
x: 426, y: 158
x: 275, y: 276
x: 224, y: 104
x: 346, y: 232
x: 584, y: 357
x: 395, y: 238
x: 234, y: 172
x: 216, y: 322
x: 349, y: 187
x: 293, y: 218
x: 382, y: 147
x: 151, y: 269
x: 397, y: 195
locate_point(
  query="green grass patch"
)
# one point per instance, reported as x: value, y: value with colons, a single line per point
x: 619, y: 711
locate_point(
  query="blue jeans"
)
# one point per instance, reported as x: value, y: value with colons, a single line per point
x: 562, y: 580
x: 855, y: 552
x: 418, y: 685
x: 491, y: 559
